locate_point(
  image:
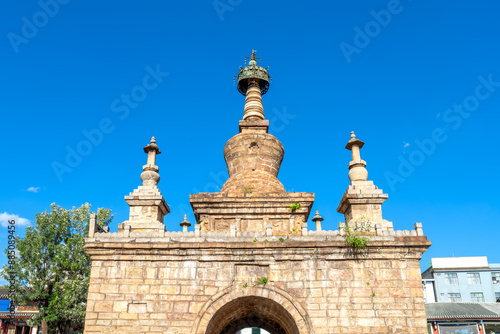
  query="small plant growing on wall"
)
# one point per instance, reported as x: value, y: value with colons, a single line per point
x: 353, y: 233
x: 295, y: 206
x: 246, y: 190
x: 261, y: 281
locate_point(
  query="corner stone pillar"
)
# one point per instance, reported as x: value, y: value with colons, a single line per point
x: 362, y: 199
x: 147, y: 205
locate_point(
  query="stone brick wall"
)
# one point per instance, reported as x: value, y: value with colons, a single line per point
x: 314, y: 287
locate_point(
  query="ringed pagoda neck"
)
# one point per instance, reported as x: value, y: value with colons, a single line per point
x: 254, y: 108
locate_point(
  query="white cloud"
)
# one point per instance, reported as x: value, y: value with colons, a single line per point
x: 5, y: 217
x: 406, y: 144
x: 33, y: 189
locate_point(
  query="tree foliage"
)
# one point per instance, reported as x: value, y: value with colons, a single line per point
x: 51, y: 267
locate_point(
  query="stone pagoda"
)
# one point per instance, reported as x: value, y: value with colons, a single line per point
x: 251, y: 260
x: 253, y: 199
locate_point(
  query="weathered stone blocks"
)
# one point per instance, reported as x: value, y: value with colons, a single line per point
x: 166, y: 291
x: 252, y: 212
x: 253, y: 161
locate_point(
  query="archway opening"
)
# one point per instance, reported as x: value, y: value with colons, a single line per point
x: 253, y: 330
x: 252, y: 311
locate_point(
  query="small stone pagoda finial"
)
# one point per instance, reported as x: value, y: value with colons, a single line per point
x: 357, y: 167
x: 147, y: 205
x: 253, y: 58
x: 152, y: 150
x: 362, y: 200
x: 317, y: 219
x: 185, y: 224
x: 150, y: 176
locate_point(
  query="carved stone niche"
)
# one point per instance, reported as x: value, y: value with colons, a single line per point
x: 291, y: 225
x: 252, y: 225
x: 223, y: 224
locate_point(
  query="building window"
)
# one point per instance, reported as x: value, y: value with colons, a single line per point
x: 454, y: 297
x: 473, y: 278
x: 477, y: 297
x: 451, y: 278
x: 497, y: 297
x: 492, y: 327
x: 495, y: 277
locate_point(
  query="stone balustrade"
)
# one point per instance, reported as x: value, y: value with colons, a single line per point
x: 247, y: 236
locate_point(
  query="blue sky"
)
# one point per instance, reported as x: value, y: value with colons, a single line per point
x: 418, y: 81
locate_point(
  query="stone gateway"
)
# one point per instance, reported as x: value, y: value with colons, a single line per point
x: 252, y: 259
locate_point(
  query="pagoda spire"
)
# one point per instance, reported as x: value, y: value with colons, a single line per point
x: 253, y: 157
x: 253, y: 82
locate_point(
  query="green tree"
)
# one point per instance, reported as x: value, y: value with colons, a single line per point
x: 53, y: 270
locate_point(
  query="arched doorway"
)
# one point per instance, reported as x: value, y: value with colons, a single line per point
x: 252, y: 311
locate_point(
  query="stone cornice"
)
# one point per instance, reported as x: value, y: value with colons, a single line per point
x: 217, y: 203
x: 349, y: 199
x: 126, y: 250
